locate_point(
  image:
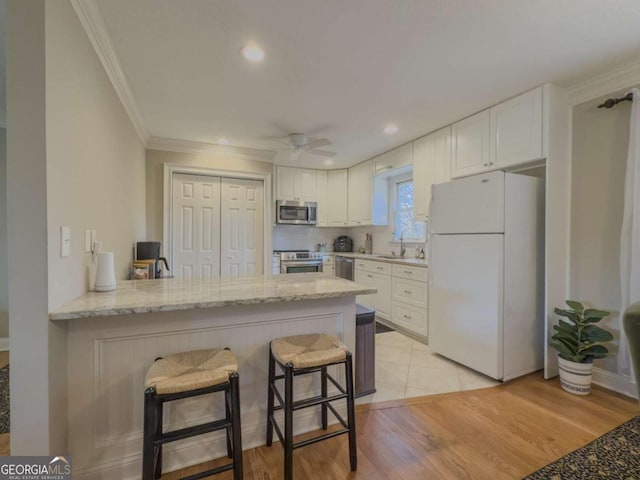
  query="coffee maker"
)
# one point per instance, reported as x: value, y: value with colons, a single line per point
x: 151, y: 251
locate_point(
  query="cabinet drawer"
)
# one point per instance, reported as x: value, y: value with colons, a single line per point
x: 412, y: 273
x: 410, y: 317
x: 410, y: 291
x: 363, y: 265
x: 381, y: 267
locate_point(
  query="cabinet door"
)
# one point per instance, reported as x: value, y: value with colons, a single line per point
x: 322, y: 214
x: 382, y: 298
x: 354, y: 207
x: 365, y: 278
x: 383, y: 163
x: 439, y: 160
x: 366, y: 191
x: 337, y: 185
x: 412, y: 318
x: 516, y: 130
x: 285, y: 181
x: 422, y: 151
x: 470, y: 139
x: 402, y: 156
x: 305, y: 185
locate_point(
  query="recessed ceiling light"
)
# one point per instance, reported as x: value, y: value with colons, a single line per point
x: 223, y: 141
x: 328, y: 161
x: 252, y: 52
x: 390, y: 129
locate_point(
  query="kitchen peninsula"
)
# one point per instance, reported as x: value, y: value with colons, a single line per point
x: 114, y: 337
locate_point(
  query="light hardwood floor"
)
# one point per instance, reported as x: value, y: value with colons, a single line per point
x: 504, y: 432
x: 4, y: 437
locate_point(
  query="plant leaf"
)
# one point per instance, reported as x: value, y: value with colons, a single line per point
x: 573, y: 316
x: 596, y: 351
x: 594, y: 316
x: 563, y: 326
x: 596, y: 334
x: 572, y: 348
x: 577, y: 306
x: 564, y: 352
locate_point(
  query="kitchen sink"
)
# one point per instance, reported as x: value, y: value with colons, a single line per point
x: 390, y: 257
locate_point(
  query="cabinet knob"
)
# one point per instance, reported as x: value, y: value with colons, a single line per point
x: 408, y: 292
x: 407, y: 317
x: 380, y: 268
x: 370, y: 276
x: 408, y: 272
x: 389, y: 167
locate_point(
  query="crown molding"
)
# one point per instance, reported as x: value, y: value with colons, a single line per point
x: 188, y: 146
x: 93, y: 24
x: 622, y: 76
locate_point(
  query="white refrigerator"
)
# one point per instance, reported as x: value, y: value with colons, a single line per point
x: 486, y: 266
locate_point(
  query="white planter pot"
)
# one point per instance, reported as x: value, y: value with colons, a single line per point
x: 575, y: 377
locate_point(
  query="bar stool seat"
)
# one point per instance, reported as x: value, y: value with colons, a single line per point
x: 301, y: 355
x: 185, y: 371
x: 185, y: 375
x: 307, y: 351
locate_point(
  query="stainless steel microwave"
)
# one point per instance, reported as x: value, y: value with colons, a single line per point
x: 296, y: 213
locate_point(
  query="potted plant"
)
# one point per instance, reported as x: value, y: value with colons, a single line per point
x: 579, y: 341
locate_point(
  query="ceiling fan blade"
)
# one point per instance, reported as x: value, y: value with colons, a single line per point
x: 320, y: 142
x: 322, y: 153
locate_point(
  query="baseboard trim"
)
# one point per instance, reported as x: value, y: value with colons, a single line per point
x: 615, y: 381
x: 4, y: 344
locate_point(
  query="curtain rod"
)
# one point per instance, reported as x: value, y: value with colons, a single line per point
x: 612, y: 102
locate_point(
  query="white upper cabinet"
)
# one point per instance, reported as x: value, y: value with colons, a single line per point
x: 322, y: 214
x: 504, y: 136
x: 296, y: 184
x: 431, y: 165
x: 393, y: 159
x: 360, y: 204
x: 516, y: 130
x: 337, y: 184
x: 470, y: 144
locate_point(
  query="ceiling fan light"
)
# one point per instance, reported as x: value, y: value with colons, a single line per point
x: 252, y: 52
x: 391, y: 129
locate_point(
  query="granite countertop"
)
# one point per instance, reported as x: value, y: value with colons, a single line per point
x: 418, y: 262
x: 145, y: 296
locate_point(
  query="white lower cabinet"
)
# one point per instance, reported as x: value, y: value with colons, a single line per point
x: 376, y: 275
x: 328, y: 265
x: 410, y: 299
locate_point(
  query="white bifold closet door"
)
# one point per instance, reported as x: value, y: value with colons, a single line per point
x: 217, y: 226
x: 242, y: 227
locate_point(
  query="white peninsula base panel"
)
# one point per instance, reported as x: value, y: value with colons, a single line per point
x: 109, y: 356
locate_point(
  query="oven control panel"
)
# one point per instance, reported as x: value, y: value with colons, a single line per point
x: 301, y: 256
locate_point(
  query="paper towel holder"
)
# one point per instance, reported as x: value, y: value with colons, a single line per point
x: 105, y: 273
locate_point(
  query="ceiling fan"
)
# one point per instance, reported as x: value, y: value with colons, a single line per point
x: 298, y: 143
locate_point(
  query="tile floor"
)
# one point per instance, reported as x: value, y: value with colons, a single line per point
x: 406, y: 368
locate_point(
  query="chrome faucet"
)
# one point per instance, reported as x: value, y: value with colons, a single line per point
x: 403, y: 247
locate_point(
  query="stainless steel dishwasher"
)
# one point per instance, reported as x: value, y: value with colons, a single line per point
x: 344, y: 267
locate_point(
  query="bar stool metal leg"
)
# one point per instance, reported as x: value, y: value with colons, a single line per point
x: 323, y: 383
x: 288, y: 421
x: 227, y: 415
x: 351, y: 414
x: 270, y: 397
x: 149, y: 432
x: 236, y: 427
x: 158, y: 450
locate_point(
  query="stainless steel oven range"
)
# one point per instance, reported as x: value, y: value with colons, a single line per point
x: 298, y: 261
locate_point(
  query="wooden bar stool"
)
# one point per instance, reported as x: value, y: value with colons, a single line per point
x: 301, y: 355
x: 185, y: 375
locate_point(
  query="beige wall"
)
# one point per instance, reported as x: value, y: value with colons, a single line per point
x: 155, y: 171
x: 600, y: 142
x: 4, y: 268
x: 95, y: 160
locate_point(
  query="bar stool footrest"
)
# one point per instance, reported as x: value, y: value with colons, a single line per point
x: 319, y: 438
x: 192, y: 431
x: 208, y: 473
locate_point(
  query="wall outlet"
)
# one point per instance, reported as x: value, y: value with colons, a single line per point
x: 65, y: 241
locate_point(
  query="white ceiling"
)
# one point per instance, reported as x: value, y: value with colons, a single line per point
x: 342, y: 69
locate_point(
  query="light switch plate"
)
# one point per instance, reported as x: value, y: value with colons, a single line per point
x: 87, y: 241
x: 65, y: 241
